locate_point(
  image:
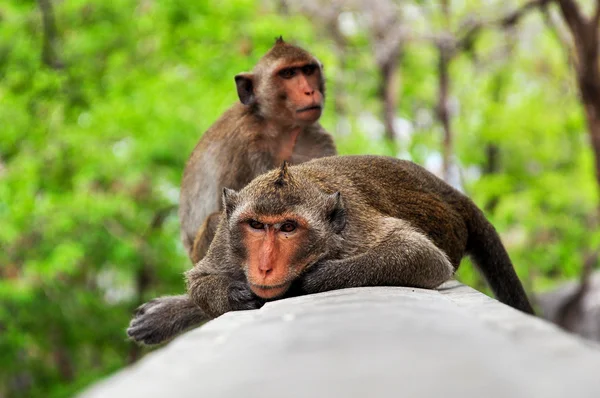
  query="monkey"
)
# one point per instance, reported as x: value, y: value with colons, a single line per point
x: 333, y: 223
x: 276, y: 119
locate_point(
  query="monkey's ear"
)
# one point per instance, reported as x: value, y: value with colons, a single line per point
x: 336, y: 212
x: 245, y: 87
x: 230, y: 201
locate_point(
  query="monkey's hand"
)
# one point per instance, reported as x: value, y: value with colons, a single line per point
x: 241, y: 297
x: 218, y: 293
x: 320, y: 277
x: 163, y: 318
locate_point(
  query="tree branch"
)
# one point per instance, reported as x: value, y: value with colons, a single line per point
x: 560, y: 34
x: 572, y: 15
x: 596, y: 17
x: 466, y: 40
x: 49, y: 54
x: 514, y: 17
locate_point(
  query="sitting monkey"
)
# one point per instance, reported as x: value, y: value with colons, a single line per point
x: 276, y: 119
x: 333, y: 223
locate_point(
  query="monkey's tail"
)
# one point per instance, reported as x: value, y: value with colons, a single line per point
x: 488, y: 253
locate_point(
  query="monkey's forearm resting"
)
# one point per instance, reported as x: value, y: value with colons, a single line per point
x: 405, y: 257
x: 210, y: 296
x: 163, y: 318
x: 217, y: 294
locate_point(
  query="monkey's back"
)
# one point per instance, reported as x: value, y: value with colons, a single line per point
x: 200, y: 186
x: 400, y: 189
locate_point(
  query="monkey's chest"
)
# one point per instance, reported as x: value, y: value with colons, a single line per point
x: 287, y: 148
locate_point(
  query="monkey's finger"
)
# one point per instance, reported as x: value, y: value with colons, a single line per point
x: 142, y: 309
x: 145, y: 335
x: 136, y: 321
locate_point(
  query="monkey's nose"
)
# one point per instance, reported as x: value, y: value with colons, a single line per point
x: 309, y: 92
x: 264, y: 272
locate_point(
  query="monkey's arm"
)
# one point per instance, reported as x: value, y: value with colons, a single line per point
x: 163, y: 318
x: 404, y: 257
x: 218, y: 285
x: 211, y: 295
x: 213, y: 289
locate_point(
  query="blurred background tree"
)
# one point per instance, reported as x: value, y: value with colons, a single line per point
x: 102, y: 102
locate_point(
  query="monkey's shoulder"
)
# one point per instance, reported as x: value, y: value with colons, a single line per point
x: 225, y: 135
x: 231, y: 123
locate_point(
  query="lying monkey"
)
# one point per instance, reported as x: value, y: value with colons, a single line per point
x: 333, y: 223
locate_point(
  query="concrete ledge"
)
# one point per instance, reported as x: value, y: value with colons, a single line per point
x: 368, y: 342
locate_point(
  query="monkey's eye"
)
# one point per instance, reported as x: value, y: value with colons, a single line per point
x: 287, y: 73
x: 256, y: 225
x: 309, y: 69
x: 288, y: 226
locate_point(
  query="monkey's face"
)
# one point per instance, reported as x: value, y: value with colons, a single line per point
x: 301, y: 90
x: 275, y: 248
x: 278, y: 227
x: 275, y: 251
x: 286, y: 86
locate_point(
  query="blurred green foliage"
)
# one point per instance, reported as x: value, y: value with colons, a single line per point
x: 91, y: 155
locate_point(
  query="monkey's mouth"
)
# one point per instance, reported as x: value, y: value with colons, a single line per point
x: 270, y: 291
x: 309, y: 108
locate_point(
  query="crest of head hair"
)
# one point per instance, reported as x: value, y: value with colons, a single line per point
x: 279, y: 40
x: 284, y: 176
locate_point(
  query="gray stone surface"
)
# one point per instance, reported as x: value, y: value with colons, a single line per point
x: 369, y: 342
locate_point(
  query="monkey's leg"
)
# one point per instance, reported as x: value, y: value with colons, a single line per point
x: 204, y: 237
x: 163, y: 318
x: 404, y: 257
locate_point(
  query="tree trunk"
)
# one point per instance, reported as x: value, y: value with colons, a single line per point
x: 49, y: 52
x: 443, y: 111
x: 492, y: 166
x: 588, y: 79
x: 389, y: 95
x: 589, y: 86
x: 586, y: 41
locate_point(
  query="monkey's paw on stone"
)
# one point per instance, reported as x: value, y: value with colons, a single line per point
x: 159, y: 320
x: 316, y: 278
x: 242, y: 298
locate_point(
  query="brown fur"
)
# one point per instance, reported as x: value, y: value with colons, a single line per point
x: 369, y: 221
x: 253, y: 137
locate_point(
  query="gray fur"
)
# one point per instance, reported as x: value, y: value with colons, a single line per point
x: 163, y: 318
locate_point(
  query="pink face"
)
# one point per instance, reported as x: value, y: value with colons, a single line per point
x: 302, y: 86
x: 271, y: 243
